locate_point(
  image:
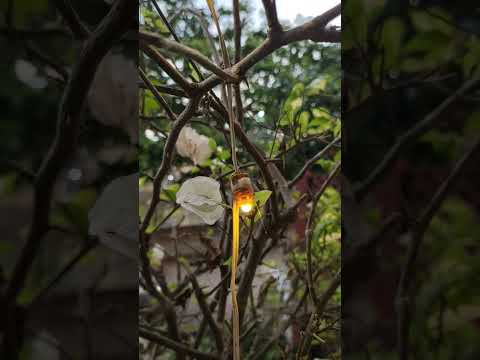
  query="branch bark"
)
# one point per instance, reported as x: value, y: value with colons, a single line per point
x: 157, y: 95
x: 78, y: 28
x: 411, y: 135
x: 158, y: 338
x: 164, y: 43
x: 406, y: 279
x: 181, y: 81
x: 270, y: 7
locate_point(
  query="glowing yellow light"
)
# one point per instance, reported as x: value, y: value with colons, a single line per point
x: 243, y: 201
x: 243, y: 193
x: 246, y: 208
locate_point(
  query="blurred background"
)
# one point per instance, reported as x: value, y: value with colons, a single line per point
x: 88, y: 310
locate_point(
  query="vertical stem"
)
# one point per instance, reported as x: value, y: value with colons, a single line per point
x: 233, y: 286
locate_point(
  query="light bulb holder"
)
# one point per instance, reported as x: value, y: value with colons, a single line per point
x: 242, y: 190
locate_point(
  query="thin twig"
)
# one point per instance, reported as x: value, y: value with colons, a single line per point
x: 164, y: 43
x: 150, y: 334
x: 421, y: 128
x: 176, y: 76
x: 309, y: 233
x: 311, y: 162
x: 78, y: 28
x: 157, y: 95
x: 418, y: 232
x: 217, y: 333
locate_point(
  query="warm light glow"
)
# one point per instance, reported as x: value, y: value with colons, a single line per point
x: 246, y: 208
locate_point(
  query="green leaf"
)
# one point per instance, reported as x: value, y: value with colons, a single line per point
x: 212, y: 144
x: 228, y: 262
x: 169, y: 192
x: 261, y: 197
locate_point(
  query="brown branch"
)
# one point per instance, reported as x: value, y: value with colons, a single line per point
x: 322, y: 303
x: 237, y: 30
x: 181, y: 121
x: 259, y: 354
x: 157, y: 95
x: 274, y: 26
x: 115, y: 24
x: 311, y: 162
x: 217, y: 332
x: 204, y: 25
x: 48, y: 61
x: 164, y: 43
x: 169, y: 90
x: 158, y: 338
x: 78, y: 28
x: 181, y: 81
x: 309, y: 233
x: 313, y: 30
x: 157, y: 182
x: 85, y: 250
x: 403, y: 300
x: 203, y: 325
x: 238, y: 55
x: 109, y: 30
x: 411, y: 135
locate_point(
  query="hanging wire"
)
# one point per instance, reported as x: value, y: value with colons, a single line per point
x: 226, y: 60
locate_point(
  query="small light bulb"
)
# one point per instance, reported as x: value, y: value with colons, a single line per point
x: 246, y: 208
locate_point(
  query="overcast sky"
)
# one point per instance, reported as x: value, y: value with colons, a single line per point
x: 288, y: 9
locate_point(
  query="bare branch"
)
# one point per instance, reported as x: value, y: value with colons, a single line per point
x: 157, y: 95
x: 237, y: 30
x: 204, y: 25
x: 411, y: 135
x: 322, y: 303
x: 162, y: 42
x: 308, y: 236
x: 272, y: 17
x: 403, y: 301
x: 313, y: 30
x: 181, y: 81
x: 217, y: 333
x: 167, y: 159
x: 311, y: 162
x: 111, y: 28
x: 158, y: 338
x: 79, y: 30
x: 169, y: 90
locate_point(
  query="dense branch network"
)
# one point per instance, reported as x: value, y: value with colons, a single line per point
x: 157, y: 48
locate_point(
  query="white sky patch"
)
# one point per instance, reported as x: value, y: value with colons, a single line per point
x: 287, y: 9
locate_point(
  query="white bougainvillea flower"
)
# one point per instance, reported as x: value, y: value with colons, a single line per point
x: 193, y: 145
x: 28, y: 74
x: 113, y: 96
x: 201, y: 195
x: 156, y: 257
x: 114, y: 217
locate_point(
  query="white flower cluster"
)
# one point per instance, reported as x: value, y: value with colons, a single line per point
x: 201, y: 195
x: 113, y: 96
x: 193, y: 145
